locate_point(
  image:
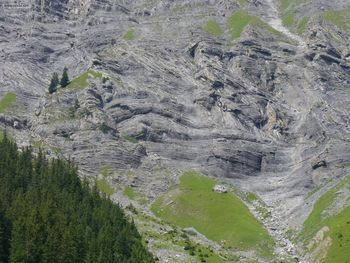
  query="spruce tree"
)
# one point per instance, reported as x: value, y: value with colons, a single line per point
x: 54, y: 83
x: 48, y: 215
x: 65, y: 79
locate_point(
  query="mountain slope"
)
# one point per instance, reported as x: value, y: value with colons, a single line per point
x: 48, y: 215
x: 252, y: 93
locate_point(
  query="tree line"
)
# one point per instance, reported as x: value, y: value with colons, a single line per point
x: 64, y: 82
x: 47, y: 214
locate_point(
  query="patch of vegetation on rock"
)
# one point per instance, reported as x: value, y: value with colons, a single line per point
x: 241, y: 19
x: 7, y: 101
x: 336, y: 222
x: 129, y: 35
x: 289, y: 19
x: 129, y: 192
x: 339, y: 18
x: 302, y: 25
x: 130, y: 139
x: 213, y: 28
x: 104, y: 187
x: 81, y: 82
x: 220, y: 217
x: 237, y: 22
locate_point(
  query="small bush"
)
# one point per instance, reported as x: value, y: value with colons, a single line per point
x: 105, y: 128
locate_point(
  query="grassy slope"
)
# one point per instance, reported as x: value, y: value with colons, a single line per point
x: 212, y: 27
x: 220, y: 217
x: 340, y: 233
x: 237, y: 22
x: 82, y: 81
x: 302, y: 25
x: 287, y: 8
x: 340, y: 18
x: 240, y: 19
x: 339, y: 224
x: 7, y: 101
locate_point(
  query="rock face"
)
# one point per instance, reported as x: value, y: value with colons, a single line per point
x: 267, y: 112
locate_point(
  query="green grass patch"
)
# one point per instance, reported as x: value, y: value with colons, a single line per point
x: 289, y: 4
x: 2, y: 134
x: 242, y: 3
x: 129, y: 192
x: 285, y: 4
x: 106, y: 170
x: 213, y: 28
x: 129, y: 35
x: 240, y: 19
x: 339, y: 232
x: 220, y: 217
x: 339, y: 224
x: 302, y: 25
x: 316, y: 219
x: 135, y: 196
x: 104, y: 187
x: 288, y: 10
x: 288, y: 19
x: 130, y: 139
x: 7, y: 101
x: 237, y: 22
x: 251, y: 197
x: 81, y: 82
x: 339, y: 18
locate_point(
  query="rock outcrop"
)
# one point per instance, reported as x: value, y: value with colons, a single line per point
x: 267, y: 112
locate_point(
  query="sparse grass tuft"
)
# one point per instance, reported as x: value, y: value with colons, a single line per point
x: 106, y: 170
x: 251, y: 197
x: 302, y: 25
x: 213, y: 28
x: 288, y: 19
x: 129, y: 192
x: 104, y: 187
x: 288, y: 9
x: 285, y: 4
x: 130, y: 139
x: 7, y: 101
x: 221, y: 217
x: 129, y: 35
x: 242, y: 3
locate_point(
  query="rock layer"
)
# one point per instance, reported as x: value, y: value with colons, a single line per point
x: 264, y: 113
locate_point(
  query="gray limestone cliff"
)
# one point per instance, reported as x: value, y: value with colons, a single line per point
x: 267, y: 112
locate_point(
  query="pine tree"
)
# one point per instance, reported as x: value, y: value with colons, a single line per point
x: 48, y: 215
x: 54, y: 83
x: 65, y: 79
